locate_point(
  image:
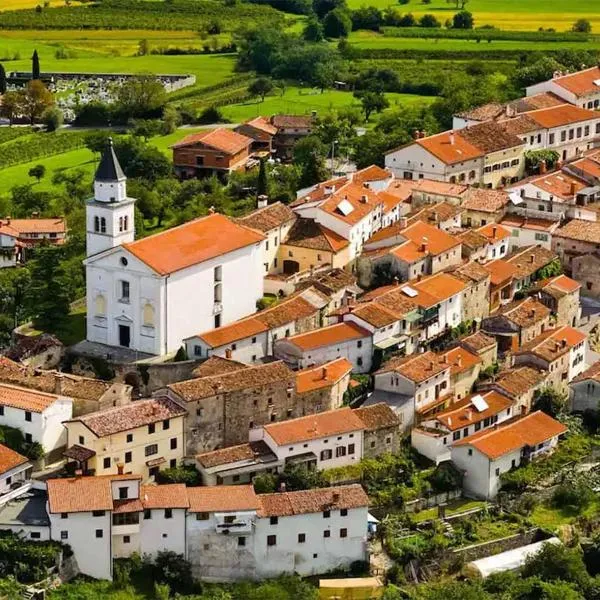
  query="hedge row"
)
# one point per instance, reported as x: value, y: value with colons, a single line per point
x: 139, y: 14
x: 11, y: 133
x: 489, y: 34
x: 433, y: 54
x: 39, y: 145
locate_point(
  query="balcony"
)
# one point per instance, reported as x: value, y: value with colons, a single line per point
x: 239, y: 526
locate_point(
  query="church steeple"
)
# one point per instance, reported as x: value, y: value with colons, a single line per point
x: 109, y: 168
x: 110, y: 214
x: 110, y: 181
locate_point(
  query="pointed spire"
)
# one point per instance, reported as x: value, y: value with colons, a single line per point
x: 109, y: 168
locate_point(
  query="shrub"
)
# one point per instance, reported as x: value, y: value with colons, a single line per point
x: 211, y: 115
x: 574, y: 495
x: 182, y: 474
x: 52, y: 118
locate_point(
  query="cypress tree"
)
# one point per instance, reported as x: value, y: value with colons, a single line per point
x: 35, y: 65
x: 2, y: 80
x: 262, y: 186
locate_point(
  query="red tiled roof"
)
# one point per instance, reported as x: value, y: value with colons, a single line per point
x: 485, y: 200
x: 416, y: 367
x: 9, y: 459
x: 25, y: 226
x: 238, y: 330
x: 268, y: 217
x: 136, y: 414
x: 450, y: 147
x: 24, y: 399
x: 233, y: 454
x: 372, y: 173
x: 494, y: 232
x: 262, y: 124
x: 464, y: 413
x: 312, y: 501
x: 434, y: 289
x: 581, y: 83
x: 312, y: 427
x: 583, y: 231
x: 564, y: 114
x: 561, y: 184
x: 222, y: 139
x: 531, y: 430
x: 377, y: 416
x: 192, y: 243
x: 322, y: 376
x: 173, y: 495
x: 553, y: 343
x: 460, y: 360
x: 223, y: 498
x: 326, y: 336
x: 500, y: 271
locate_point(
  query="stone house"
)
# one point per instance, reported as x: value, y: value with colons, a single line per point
x: 561, y: 295
x: 476, y: 295
x: 382, y: 430
x: 482, y: 206
x: 482, y: 345
x: 223, y: 408
x: 323, y: 385
x: 464, y: 370
x: 559, y: 351
x: 586, y: 270
x: 575, y: 239
x: 584, y: 391
x: 260, y: 131
x: 517, y: 323
x: 474, y: 245
x: 527, y: 262
x: 502, y: 276
x: 519, y: 383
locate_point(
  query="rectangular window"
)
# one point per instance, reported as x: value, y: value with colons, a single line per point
x: 123, y: 493
x: 202, y: 516
x: 35, y: 535
x: 64, y: 535
x: 132, y: 518
x: 241, y: 541
x: 326, y: 454
x: 168, y: 513
x: 274, y: 520
x: 343, y: 532
x: 173, y: 443
x: 166, y: 424
x: 326, y: 533
x: 64, y: 515
x: 301, y: 538
x: 127, y: 457
x: 340, y: 451
x: 456, y: 435
x: 151, y: 428
x: 98, y: 513
x: 343, y: 512
x: 124, y: 291
x: 126, y: 539
x: 350, y: 448
x: 326, y: 514
x: 151, y: 449
x: 129, y: 438
x: 271, y: 540
x: 99, y: 533
x: 147, y: 514
x: 197, y: 350
x: 27, y: 415
x: 106, y: 463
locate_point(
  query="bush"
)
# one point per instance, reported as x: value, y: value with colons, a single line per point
x: 573, y: 495
x: 445, y: 478
x: 182, y: 474
x: 211, y: 115
x: 52, y: 118
x: 27, y: 561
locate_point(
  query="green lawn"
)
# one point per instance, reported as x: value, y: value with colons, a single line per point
x: 303, y: 101
x: 453, y: 508
x: 509, y: 14
x: 549, y: 517
x: 369, y: 39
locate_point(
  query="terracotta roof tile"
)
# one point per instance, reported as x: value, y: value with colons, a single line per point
x: 525, y: 312
x: 528, y: 223
x: 592, y: 372
x: 83, y: 494
x: 25, y: 226
x: 312, y: 427
x: 136, y: 414
x: 542, y: 100
x: 262, y: 124
x: 24, y: 399
x: 233, y: 454
x: 565, y: 114
x: 192, y: 243
x: 377, y: 416
x: 490, y: 137
x: 254, y: 376
x: 494, y: 232
x: 216, y: 365
x: 173, y: 495
x: 554, y: 343
x: 583, y: 231
x: 434, y: 289
x: 295, y: 121
x: 416, y: 367
x: 292, y: 309
x: 223, y: 498
x: 313, y: 501
x: 581, y: 83
x: 362, y: 202
x: 320, y: 191
x: 326, y: 336
x: 560, y: 184
x: 306, y: 233
x: 500, y: 271
x: 472, y: 239
x: 478, y: 341
x: 372, y: 173
x: 9, y: 459
x: 375, y: 314
x: 530, y: 259
x: 130, y: 505
x: 460, y: 360
x: 269, y: 217
x: 222, y: 139
x: 521, y: 124
x: 485, y: 200
x: 485, y: 112
x: 531, y: 430
x: 471, y: 271
x: 464, y: 413
x: 331, y: 281
x: 438, y: 188
x: 322, y: 376
x: 519, y: 380
x: 238, y: 330
x: 435, y: 213
x: 450, y: 147
x: 435, y: 240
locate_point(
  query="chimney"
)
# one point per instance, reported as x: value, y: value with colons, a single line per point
x: 452, y: 137
x: 329, y: 189
x: 431, y: 365
x: 459, y: 361
x: 572, y: 189
x: 403, y: 222
x: 325, y: 372
x: 564, y: 343
x: 282, y: 487
x: 532, y: 258
x: 262, y: 201
x: 523, y: 410
x: 532, y: 313
x: 364, y: 198
x: 424, y: 244
x: 416, y: 134
x: 58, y: 384
x: 469, y: 414
x: 335, y: 496
x: 120, y: 467
x: 494, y: 231
x: 543, y: 167
x: 228, y: 353
x: 78, y: 472
x: 450, y: 421
x: 423, y: 134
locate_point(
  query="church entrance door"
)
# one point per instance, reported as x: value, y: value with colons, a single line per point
x: 124, y: 336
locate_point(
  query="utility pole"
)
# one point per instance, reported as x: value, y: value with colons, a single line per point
x: 333, y: 144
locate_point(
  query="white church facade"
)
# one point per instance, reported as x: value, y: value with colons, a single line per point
x: 150, y: 294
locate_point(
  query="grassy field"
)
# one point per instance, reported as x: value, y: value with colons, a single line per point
x: 19, y: 4
x: 300, y: 101
x: 510, y: 14
x: 370, y: 39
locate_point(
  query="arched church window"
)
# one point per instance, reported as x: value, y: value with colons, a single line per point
x: 96, y: 224
x: 125, y: 223
x: 100, y: 305
x: 102, y: 225
x: 148, y: 315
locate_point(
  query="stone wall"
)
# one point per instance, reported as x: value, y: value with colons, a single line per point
x: 476, y: 301
x: 477, y: 551
x: 381, y: 441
